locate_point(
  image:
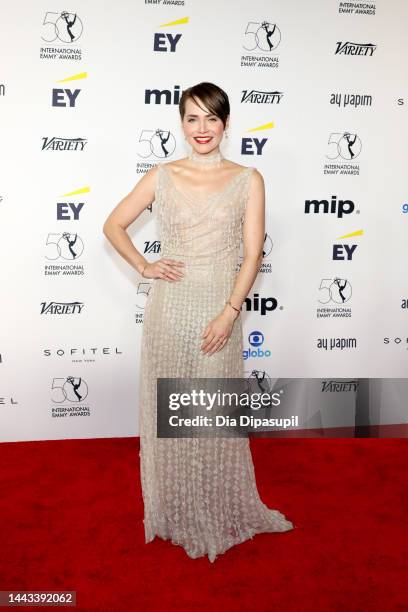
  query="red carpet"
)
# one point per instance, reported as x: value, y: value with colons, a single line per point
x: 71, y: 519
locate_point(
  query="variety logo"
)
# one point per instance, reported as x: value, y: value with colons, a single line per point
x: 339, y: 386
x: 350, y: 48
x: 55, y: 143
x: 255, y: 96
x: 152, y: 246
x: 61, y: 308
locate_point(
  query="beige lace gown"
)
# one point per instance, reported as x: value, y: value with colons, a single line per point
x: 199, y: 493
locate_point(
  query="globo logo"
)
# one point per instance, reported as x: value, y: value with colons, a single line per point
x: 256, y: 339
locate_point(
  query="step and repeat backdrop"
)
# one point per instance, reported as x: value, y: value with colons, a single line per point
x: 89, y: 102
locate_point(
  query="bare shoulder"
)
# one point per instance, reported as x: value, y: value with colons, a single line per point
x: 175, y: 165
x: 257, y: 180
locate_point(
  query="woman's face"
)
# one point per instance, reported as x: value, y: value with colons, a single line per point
x: 202, y: 130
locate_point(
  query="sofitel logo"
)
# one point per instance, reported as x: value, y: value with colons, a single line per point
x: 61, y: 308
x: 82, y: 355
x: 349, y: 48
x: 56, y: 143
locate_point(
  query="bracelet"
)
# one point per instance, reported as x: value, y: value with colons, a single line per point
x: 143, y: 270
x: 229, y: 302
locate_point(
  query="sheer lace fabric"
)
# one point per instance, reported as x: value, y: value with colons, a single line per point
x: 199, y: 493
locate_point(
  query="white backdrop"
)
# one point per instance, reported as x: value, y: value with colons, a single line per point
x: 78, y: 129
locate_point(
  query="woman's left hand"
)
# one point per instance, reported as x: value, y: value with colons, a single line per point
x: 217, y: 332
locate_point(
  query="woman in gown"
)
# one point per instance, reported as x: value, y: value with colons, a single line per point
x: 199, y: 493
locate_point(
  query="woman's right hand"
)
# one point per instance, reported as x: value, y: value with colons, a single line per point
x: 164, y: 268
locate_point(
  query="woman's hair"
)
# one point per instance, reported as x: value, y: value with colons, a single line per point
x: 213, y: 97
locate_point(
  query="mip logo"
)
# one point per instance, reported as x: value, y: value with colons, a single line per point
x: 253, y: 145
x: 256, y: 339
x: 66, y: 96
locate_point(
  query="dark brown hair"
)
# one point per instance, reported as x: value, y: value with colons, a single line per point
x: 213, y: 97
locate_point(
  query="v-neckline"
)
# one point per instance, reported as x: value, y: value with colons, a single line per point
x: 191, y: 196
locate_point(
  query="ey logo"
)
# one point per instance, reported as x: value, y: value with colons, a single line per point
x: 346, y: 251
x: 66, y: 96
x: 254, y: 145
x: 164, y: 42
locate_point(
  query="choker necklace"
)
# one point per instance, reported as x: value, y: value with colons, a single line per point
x: 212, y: 158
